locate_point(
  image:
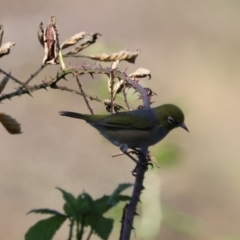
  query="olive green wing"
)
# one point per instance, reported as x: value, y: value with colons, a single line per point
x: 124, y: 121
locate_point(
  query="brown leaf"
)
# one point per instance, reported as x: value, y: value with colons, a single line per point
x: 5, y: 48
x: 11, y: 125
x: 3, y: 83
x: 115, y: 65
x: 41, y: 34
x: 141, y: 73
x: 1, y: 34
x: 85, y: 42
x: 73, y: 40
x: 122, y: 55
x: 50, y: 43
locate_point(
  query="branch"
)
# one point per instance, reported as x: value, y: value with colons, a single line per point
x: 84, y: 95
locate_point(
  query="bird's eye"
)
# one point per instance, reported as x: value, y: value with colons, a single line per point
x: 170, y: 120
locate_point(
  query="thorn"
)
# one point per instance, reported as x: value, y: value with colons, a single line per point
x: 64, y: 77
x: 29, y: 94
x: 84, y: 67
x: 91, y: 75
x: 6, y: 96
x: 44, y: 84
x: 135, y: 91
x: 136, y: 214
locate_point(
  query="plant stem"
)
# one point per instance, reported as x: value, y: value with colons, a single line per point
x: 130, y: 209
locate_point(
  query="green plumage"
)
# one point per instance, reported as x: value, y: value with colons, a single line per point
x: 138, y: 128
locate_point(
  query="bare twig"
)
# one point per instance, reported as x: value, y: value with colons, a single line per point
x: 125, y: 99
x: 83, y: 94
x: 32, y: 76
x: 11, y: 77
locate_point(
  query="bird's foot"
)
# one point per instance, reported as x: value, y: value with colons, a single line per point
x: 124, y: 149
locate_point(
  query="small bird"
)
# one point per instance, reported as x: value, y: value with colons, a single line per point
x: 135, y: 129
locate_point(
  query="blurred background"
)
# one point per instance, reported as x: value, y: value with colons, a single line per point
x: 192, y: 49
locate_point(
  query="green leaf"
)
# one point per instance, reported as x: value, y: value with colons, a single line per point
x: 45, y: 229
x: 46, y: 211
x: 85, y: 203
x: 103, y: 204
x: 104, y: 227
x: 70, y: 207
x: 117, y: 191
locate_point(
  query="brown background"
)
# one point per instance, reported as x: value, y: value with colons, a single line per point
x: 193, y: 51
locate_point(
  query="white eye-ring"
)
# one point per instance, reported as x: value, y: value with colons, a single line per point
x: 170, y: 120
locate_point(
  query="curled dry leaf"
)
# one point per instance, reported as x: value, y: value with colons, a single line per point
x: 115, y: 64
x: 3, y: 83
x: 121, y: 56
x: 40, y: 34
x: 5, y: 48
x: 1, y: 34
x: 50, y: 43
x: 11, y: 125
x: 118, y: 87
x: 141, y: 73
x: 85, y: 42
x: 73, y: 40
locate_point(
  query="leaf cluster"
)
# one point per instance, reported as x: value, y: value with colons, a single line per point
x: 83, y: 213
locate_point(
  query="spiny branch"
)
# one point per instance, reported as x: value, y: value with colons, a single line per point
x: 83, y: 94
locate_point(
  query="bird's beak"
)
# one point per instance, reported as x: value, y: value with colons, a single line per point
x: 184, y: 127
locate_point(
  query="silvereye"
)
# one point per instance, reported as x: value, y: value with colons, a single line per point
x: 135, y: 129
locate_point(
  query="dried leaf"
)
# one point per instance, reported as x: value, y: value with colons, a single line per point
x: 3, y: 83
x: 41, y: 34
x: 88, y: 40
x: 118, y: 87
x: 5, y: 48
x: 141, y: 73
x: 115, y: 65
x: 73, y: 40
x: 50, y: 43
x: 122, y: 55
x: 1, y: 34
x: 11, y: 125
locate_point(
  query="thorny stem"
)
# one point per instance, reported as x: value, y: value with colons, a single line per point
x: 32, y: 76
x: 125, y: 99
x: 11, y: 77
x: 84, y: 95
x: 130, y: 209
x: 111, y: 79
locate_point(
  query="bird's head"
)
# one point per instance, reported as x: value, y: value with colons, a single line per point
x: 170, y: 116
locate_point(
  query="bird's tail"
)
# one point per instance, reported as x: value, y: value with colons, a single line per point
x: 74, y: 115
